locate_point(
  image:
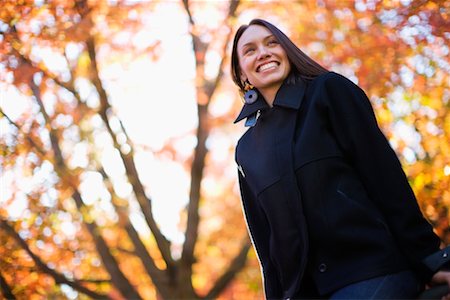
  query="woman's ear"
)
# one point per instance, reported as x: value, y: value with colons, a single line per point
x: 243, y: 77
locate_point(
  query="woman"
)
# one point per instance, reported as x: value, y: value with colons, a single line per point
x: 327, y: 204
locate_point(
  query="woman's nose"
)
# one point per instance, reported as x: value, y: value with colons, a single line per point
x: 263, y: 53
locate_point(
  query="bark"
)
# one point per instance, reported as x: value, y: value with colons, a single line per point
x: 197, y: 168
x: 205, y: 92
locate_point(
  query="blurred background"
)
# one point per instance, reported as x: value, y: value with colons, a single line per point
x: 117, y: 138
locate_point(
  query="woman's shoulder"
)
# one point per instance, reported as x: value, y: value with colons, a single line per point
x: 333, y: 82
x: 331, y: 78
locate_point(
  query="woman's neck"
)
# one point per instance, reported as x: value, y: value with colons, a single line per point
x: 269, y: 94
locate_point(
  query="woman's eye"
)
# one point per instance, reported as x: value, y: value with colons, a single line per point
x: 248, y: 50
x: 272, y: 42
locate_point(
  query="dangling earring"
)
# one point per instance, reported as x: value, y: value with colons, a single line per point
x: 250, y: 95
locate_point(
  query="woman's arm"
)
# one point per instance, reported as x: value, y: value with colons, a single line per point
x: 355, y: 127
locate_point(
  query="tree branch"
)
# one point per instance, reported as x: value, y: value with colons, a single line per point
x: 66, y: 85
x: 188, y: 11
x: 27, y: 136
x: 204, y: 98
x: 140, y: 250
x: 148, y: 262
x: 128, y: 161
x: 117, y: 277
x: 5, y: 289
x: 60, y: 165
x: 236, y: 265
x: 231, y: 14
x: 69, y: 86
x: 200, y: 151
x: 197, y: 168
x: 58, y: 277
x: 53, y: 138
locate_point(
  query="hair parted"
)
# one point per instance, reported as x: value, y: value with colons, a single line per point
x: 302, y: 66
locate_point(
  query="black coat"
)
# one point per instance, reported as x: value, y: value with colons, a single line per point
x: 324, y: 194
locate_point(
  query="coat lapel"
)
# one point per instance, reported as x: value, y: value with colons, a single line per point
x: 289, y: 95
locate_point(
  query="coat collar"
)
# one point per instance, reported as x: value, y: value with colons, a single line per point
x: 289, y: 95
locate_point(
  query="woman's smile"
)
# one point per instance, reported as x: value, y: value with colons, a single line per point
x: 267, y: 66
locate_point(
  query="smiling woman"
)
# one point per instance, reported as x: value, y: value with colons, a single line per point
x: 328, y: 206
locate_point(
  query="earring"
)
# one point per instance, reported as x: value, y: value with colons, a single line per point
x: 250, y: 95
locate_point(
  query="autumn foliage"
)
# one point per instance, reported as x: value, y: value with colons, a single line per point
x: 80, y: 211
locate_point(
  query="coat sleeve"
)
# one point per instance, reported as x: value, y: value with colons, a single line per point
x: 354, y: 124
x: 259, y: 231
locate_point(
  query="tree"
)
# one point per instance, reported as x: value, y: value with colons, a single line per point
x: 57, y: 240
x: 116, y: 242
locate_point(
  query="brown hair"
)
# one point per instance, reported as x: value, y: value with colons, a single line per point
x: 302, y: 66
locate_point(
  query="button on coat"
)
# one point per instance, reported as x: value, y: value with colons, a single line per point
x: 322, y: 268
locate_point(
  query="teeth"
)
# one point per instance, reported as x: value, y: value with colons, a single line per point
x: 267, y: 66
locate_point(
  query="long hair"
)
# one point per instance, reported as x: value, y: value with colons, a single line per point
x: 302, y: 66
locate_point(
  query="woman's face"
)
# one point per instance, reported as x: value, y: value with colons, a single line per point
x: 262, y: 60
